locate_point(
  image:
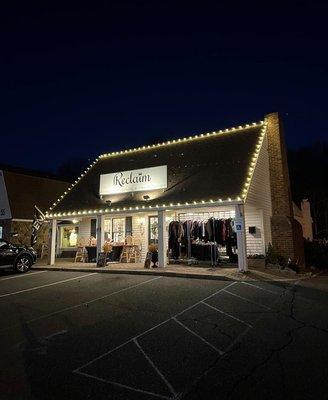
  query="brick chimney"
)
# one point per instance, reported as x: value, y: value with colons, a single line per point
x: 287, y: 238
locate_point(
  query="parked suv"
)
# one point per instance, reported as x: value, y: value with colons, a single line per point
x: 21, y: 258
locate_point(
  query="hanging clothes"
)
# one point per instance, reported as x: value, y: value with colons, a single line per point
x: 176, y: 234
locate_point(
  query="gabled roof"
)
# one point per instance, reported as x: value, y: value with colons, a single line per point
x: 210, y: 167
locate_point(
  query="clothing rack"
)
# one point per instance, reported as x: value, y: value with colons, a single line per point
x: 199, y: 216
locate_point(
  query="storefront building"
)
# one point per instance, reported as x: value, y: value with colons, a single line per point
x: 219, y: 194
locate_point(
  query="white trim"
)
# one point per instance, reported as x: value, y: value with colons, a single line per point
x: 79, y: 214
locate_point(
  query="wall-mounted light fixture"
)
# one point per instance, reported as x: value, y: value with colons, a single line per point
x: 146, y: 197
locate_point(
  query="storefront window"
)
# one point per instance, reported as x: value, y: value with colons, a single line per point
x: 153, y: 230
x: 69, y: 236
x: 118, y: 229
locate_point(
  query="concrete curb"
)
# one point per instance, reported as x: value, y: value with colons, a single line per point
x: 138, y: 272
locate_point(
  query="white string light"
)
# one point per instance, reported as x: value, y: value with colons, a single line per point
x: 169, y: 143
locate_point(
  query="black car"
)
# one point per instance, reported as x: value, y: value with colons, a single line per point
x: 21, y: 258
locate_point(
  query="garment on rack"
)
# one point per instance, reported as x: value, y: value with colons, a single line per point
x: 213, y: 232
x: 176, y: 233
x: 205, y: 252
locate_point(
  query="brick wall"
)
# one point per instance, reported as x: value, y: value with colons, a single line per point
x: 24, y: 229
x: 286, y: 239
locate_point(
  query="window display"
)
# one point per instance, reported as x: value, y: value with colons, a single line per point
x: 68, y: 235
x: 153, y: 230
x: 118, y: 229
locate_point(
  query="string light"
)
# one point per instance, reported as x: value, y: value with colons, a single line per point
x: 254, y: 159
x: 170, y: 143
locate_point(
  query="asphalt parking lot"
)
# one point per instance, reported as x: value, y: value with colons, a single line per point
x: 74, y: 335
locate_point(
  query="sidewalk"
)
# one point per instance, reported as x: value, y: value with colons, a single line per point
x: 185, y: 271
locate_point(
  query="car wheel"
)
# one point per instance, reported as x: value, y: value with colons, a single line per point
x: 23, y: 263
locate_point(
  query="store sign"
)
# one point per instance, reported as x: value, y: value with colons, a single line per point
x: 137, y: 180
x: 239, y: 224
x: 4, y: 203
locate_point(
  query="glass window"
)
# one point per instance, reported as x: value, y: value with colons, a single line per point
x: 118, y: 229
x: 69, y: 236
x: 153, y: 230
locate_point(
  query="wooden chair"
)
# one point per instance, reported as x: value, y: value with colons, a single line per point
x: 128, y: 240
x: 135, y: 254
x: 135, y: 251
x: 124, y: 256
x: 81, y: 255
x: 44, y: 251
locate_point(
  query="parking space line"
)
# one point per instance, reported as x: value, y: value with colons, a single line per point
x: 123, y: 386
x: 206, y: 298
x: 149, y: 330
x: 82, y: 304
x: 23, y: 275
x: 167, y: 383
x: 244, y: 298
x: 198, y: 336
x: 47, y: 285
x: 258, y: 287
x: 228, y: 315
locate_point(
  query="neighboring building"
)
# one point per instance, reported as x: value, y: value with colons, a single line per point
x: 239, y: 173
x: 303, y: 216
x: 20, y: 190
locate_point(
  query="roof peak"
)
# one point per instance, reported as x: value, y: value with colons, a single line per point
x: 186, y: 139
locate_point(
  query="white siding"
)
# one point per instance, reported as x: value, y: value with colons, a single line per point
x: 84, y: 231
x: 255, y: 242
x: 258, y: 202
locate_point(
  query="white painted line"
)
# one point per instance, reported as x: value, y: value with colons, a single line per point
x: 124, y: 386
x: 23, y: 275
x: 228, y: 315
x: 148, y: 330
x: 82, y: 304
x: 167, y: 383
x: 258, y: 319
x: 249, y: 301
x: 199, y: 337
x: 61, y: 332
x: 259, y: 287
x: 206, y: 298
x: 47, y: 285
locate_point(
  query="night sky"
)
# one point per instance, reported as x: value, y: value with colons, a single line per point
x: 80, y: 80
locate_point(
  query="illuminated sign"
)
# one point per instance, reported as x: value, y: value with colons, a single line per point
x: 137, y: 180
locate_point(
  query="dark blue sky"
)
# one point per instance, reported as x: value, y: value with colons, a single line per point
x: 79, y: 80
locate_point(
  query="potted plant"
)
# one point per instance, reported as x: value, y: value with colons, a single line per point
x: 256, y: 260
